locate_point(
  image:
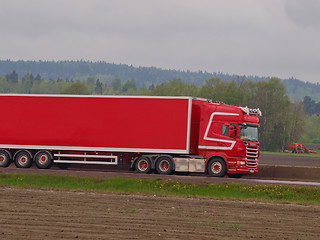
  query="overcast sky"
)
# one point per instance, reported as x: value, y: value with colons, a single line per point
x: 253, y: 37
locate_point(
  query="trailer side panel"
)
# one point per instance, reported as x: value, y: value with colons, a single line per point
x: 134, y: 124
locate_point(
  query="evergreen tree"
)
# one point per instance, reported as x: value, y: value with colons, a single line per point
x: 98, y: 89
x: 129, y: 85
x: 116, y: 84
x: 27, y: 82
x: 13, y: 77
x: 37, y: 78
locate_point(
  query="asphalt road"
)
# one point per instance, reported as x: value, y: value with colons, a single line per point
x: 112, y: 171
x: 192, y: 178
x: 290, y: 160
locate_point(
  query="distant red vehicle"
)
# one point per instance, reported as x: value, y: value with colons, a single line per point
x: 299, y: 148
x: 162, y: 134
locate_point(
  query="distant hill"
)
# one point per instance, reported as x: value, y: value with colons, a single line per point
x: 144, y: 76
x: 298, y: 89
x: 106, y: 72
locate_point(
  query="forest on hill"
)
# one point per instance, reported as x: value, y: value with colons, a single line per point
x: 284, y: 120
x: 106, y: 72
x: 143, y: 76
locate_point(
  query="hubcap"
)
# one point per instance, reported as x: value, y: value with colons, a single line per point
x: 216, y: 167
x: 164, y: 165
x: 143, y: 165
x: 23, y: 160
x: 4, y: 160
x: 43, y: 159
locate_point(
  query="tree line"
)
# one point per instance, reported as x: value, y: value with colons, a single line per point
x: 144, y: 76
x: 283, y: 121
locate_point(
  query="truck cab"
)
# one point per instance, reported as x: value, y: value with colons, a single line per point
x: 228, y: 138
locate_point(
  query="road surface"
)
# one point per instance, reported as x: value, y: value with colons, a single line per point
x: 194, y: 178
x: 290, y: 160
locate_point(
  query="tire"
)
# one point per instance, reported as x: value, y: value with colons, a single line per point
x: 43, y: 159
x: 164, y: 165
x: 217, y: 167
x: 4, y: 159
x: 143, y: 165
x: 23, y: 159
x: 235, y: 175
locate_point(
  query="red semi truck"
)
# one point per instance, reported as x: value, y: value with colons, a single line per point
x: 161, y: 134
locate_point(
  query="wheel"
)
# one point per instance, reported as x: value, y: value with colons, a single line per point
x: 164, y: 165
x: 63, y: 165
x: 143, y: 165
x: 4, y: 159
x: 23, y: 159
x: 217, y: 167
x: 235, y: 175
x: 43, y: 159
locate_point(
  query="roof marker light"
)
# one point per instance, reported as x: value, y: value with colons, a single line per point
x: 251, y: 111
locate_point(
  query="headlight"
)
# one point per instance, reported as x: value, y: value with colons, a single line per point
x: 241, y: 162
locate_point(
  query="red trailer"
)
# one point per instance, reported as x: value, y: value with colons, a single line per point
x: 162, y: 134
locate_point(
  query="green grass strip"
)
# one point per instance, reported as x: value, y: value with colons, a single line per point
x: 278, y: 193
x: 293, y: 154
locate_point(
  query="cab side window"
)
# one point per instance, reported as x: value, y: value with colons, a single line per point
x: 225, y: 129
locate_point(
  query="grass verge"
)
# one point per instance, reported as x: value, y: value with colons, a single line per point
x: 293, y: 154
x: 278, y: 193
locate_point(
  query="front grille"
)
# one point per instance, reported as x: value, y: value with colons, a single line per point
x: 252, y: 163
x: 252, y: 156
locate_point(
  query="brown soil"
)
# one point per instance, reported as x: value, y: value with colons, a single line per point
x: 43, y: 214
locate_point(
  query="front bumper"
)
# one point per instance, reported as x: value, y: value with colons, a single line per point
x: 243, y: 166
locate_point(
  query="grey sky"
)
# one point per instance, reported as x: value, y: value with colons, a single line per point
x: 253, y: 37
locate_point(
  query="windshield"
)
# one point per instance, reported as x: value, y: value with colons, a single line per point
x: 249, y: 133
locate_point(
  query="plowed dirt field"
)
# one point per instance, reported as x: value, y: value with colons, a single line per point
x: 44, y: 214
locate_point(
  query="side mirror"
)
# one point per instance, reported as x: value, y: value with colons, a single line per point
x: 232, y: 131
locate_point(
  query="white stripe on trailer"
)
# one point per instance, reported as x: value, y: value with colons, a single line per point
x: 94, y: 149
x: 189, y: 124
x: 97, y: 96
